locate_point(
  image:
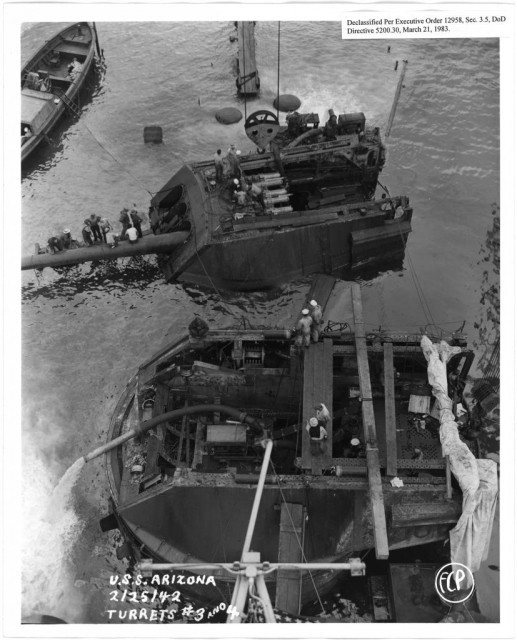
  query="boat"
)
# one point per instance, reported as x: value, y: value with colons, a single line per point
x: 314, y: 214
x: 51, y: 81
x: 186, y: 443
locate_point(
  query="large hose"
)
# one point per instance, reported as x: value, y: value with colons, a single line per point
x: 305, y: 136
x: 256, y: 426
x: 146, y: 245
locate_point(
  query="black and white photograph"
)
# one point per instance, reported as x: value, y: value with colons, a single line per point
x: 259, y: 318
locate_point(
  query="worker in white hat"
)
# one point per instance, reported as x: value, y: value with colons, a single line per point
x: 355, y: 448
x: 303, y: 329
x: 65, y: 238
x: 322, y: 413
x: 317, y: 320
x: 317, y: 434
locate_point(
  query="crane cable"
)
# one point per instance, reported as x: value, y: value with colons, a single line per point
x: 418, y: 286
x: 278, y: 76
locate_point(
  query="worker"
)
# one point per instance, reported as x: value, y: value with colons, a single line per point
x: 136, y: 220
x: 331, y: 128
x: 87, y: 233
x: 355, y: 448
x: 130, y: 219
x: 385, y: 203
x: 322, y: 413
x: 95, y: 227
x: 235, y: 167
x: 111, y: 238
x: 399, y: 212
x: 256, y: 193
x: 132, y: 234
x: 124, y: 219
x: 105, y: 227
x: 27, y: 133
x: 317, y: 434
x: 74, y: 69
x: 303, y: 328
x: 54, y: 245
x: 219, y: 165
x: 65, y: 237
x: 317, y: 320
x: 239, y: 195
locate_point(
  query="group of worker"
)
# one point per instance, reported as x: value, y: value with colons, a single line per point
x: 391, y: 211
x: 310, y: 325
x: 232, y: 159
x: 316, y: 427
x: 99, y: 229
x: 245, y: 193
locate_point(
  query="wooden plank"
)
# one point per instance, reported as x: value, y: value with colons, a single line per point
x: 317, y: 387
x: 247, y: 81
x: 328, y: 395
x: 321, y: 289
x: 390, y: 413
x: 412, y: 514
x: 370, y: 435
x: 377, y: 501
x: 290, y: 549
x: 372, y: 453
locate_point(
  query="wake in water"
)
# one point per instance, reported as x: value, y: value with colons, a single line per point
x: 51, y: 531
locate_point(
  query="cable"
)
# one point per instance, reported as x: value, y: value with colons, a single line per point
x: 278, y: 76
x: 116, y: 160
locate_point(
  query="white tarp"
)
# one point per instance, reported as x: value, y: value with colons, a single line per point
x: 470, y: 537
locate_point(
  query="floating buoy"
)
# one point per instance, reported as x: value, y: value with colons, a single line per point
x: 287, y: 102
x: 228, y: 115
x: 153, y: 134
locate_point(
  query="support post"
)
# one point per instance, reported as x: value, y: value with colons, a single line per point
x: 258, y: 496
x: 396, y: 98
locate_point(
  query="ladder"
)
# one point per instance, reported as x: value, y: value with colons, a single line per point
x: 70, y: 106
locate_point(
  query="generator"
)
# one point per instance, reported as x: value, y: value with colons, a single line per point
x: 227, y: 441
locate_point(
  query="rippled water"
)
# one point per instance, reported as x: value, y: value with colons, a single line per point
x: 86, y: 331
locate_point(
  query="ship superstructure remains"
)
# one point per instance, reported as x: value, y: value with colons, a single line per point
x: 182, y: 490
x: 313, y: 212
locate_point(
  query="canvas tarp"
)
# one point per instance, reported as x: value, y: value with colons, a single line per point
x: 477, y: 478
x: 36, y: 108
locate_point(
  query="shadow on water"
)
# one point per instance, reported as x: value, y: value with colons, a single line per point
x: 137, y: 273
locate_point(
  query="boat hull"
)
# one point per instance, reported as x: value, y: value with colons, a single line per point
x: 264, y: 262
x: 43, y: 120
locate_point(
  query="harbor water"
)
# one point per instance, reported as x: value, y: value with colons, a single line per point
x: 85, y: 332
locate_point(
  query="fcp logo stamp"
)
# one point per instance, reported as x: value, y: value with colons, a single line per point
x: 454, y: 583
